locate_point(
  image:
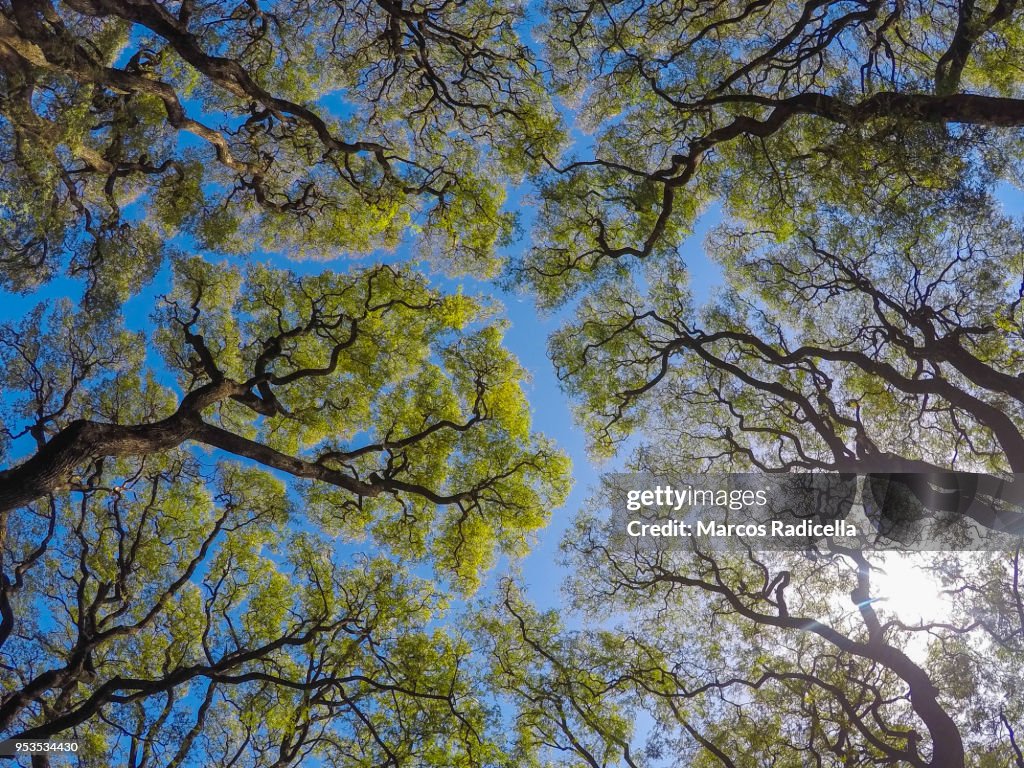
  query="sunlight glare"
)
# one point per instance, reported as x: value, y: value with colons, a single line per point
x: 903, y: 586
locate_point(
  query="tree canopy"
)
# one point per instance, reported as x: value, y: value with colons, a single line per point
x: 296, y: 126
x: 855, y: 157
x: 772, y: 109
x: 767, y: 658
x: 172, y: 605
x: 889, y: 342
x: 245, y: 526
x: 231, y: 531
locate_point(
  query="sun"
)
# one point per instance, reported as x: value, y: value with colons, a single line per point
x: 903, y: 585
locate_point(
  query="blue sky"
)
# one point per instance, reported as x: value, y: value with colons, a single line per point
x: 527, y: 338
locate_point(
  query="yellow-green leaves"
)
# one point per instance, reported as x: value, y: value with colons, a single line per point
x: 373, y: 381
x: 330, y: 131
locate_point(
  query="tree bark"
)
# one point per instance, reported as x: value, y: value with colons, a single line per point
x: 51, y: 468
